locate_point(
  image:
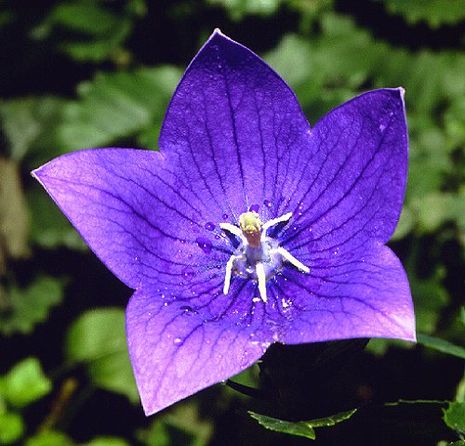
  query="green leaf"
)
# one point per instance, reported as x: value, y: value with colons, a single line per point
x: 116, y: 105
x: 181, y: 425
x: 49, y: 438
x: 454, y: 416
x: 300, y: 428
x: 433, y: 209
x: 11, y: 427
x: 96, y: 51
x: 441, y: 345
x: 405, y: 225
x: 49, y: 227
x: 433, y: 12
x: 97, y: 338
x: 85, y: 16
x: 107, y: 441
x: 460, y: 393
x: 238, y: 9
x: 29, y: 125
x: 24, y: 308
x: 25, y: 383
x: 430, y: 295
x: 100, y: 31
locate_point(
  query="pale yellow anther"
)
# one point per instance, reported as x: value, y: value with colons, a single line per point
x: 253, y: 233
x: 251, y: 227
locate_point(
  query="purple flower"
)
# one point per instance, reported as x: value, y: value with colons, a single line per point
x: 248, y: 227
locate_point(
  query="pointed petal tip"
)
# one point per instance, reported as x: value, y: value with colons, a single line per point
x: 218, y: 36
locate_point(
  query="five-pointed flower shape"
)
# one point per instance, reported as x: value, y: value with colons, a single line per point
x: 247, y: 227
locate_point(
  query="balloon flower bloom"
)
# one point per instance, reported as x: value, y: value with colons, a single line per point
x: 248, y: 226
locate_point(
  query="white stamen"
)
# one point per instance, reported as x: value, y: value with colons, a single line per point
x: 260, y: 270
x: 228, y: 274
x: 275, y: 221
x: 292, y: 260
x: 232, y: 229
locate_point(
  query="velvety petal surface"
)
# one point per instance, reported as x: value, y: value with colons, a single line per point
x: 234, y: 127
x: 350, y: 186
x: 177, y: 349
x: 363, y: 294
x: 141, y: 220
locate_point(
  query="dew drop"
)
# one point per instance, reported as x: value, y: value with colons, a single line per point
x: 210, y: 226
x: 225, y: 216
x: 177, y: 341
x: 187, y: 309
x: 204, y: 244
x: 254, y: 208
x: 267, y: 203
x: 188, y: 274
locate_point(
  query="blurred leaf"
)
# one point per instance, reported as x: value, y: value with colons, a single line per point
x: 405, y: 225
x: 116, y: 105
x: 460, y: 393
x: 454, y: 416
x: 49, y: 438
x: 98, y: 50
x: 98, y: 339
x: 181, y: 426
x: 29, y: 124
x: 295, y: 60
x: 454, y: 119
x: 433, y: 12
x: 11, y: 427
x: 238, y: 9
x: 26, y: 307
x: 6, y: 17
x: 25, y: 383
x: 14, y: 224
x: 432, y: 210
x: 430, y: 296
x: 85, y: 16
x: 441, y: 345
x: 101, y: 31
x: 49, y: 227
x: 300, y: 428
x: 107, y: 441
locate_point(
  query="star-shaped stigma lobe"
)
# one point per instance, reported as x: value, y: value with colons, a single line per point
x: 247, y: 227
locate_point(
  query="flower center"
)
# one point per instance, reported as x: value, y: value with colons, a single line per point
x: 258, y: 256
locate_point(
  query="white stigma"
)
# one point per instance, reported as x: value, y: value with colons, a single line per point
x: 258, y: 256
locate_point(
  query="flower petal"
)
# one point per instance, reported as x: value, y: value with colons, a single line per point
x: 365, y: 294
x: 351, y: 186
x: 143, y: 222
x: 178, y: 349
x: 231, y: 124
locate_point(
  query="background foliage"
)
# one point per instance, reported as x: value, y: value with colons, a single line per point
x: 87, y: 73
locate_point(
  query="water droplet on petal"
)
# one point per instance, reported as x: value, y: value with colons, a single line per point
x: 225, y: 216
x: 267, y: 203
x: 210, y: 226
x: 187, y: 309
x: 204, y: 244
x: 188, y: 274
x: 254, y: 208
x: 177, y: 341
